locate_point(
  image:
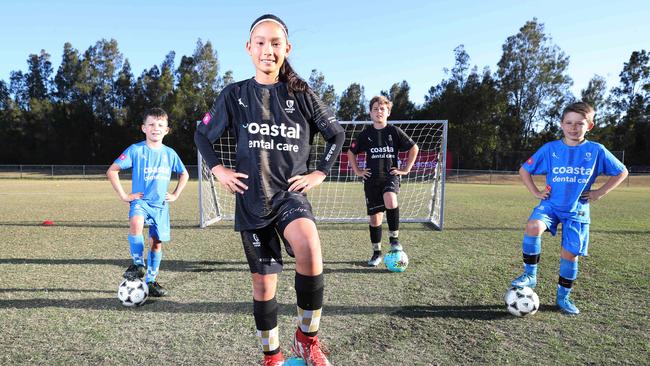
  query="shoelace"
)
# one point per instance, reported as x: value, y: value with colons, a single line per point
x: 318, y: 352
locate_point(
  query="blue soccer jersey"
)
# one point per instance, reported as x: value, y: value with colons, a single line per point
x: 152, y: 170
x: 571, y: 170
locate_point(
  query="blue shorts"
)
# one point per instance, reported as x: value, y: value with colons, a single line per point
x: 575, y: 234
x: 156, y: 217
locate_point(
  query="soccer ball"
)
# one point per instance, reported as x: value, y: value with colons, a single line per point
x: 294, y: 361
x: 521, y: 301
x: 133, y: 292
x: 396, y: 261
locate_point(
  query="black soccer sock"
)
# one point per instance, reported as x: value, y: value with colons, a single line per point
x: 309, y: 295
x: 375, y: 237
x: 266, y: 322
x: 392, y: 217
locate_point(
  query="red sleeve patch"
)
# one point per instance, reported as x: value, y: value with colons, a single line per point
x: 529, y: 161
x: 207, y: 118
x: 122, y: 157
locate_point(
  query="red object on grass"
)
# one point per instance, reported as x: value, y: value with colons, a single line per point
x: 48, y: 223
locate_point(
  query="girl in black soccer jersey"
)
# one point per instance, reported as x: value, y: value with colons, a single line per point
x: 274, y: 116
x: 381, y: 143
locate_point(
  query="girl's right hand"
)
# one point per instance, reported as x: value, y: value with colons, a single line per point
x: 229, y: 179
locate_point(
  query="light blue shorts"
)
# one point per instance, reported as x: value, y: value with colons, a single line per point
x: 156, y: 217
x: 575, y: 234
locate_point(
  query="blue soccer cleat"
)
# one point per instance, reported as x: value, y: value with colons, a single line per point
x: 567, y: 306
x: 525, y: 280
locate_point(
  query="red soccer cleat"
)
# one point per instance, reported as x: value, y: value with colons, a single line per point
x: 310, y: 349
x: 274, y: 360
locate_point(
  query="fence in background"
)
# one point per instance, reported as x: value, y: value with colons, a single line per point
x: 635, y: 179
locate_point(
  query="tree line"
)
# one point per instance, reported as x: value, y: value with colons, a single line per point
x: 90, y: 109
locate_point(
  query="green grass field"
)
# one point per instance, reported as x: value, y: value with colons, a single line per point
x: 58, y: 286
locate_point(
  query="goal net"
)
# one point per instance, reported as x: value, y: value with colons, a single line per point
x: 340, y: 197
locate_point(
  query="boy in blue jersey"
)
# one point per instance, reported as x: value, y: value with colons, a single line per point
x: 152, y: 164
x: 571, y: 166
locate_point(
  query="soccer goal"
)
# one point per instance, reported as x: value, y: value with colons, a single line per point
x: 340, y: 198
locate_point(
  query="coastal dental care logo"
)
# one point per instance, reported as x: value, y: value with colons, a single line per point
x: 289, y: 108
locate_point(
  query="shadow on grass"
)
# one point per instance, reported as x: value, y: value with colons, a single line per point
x: 167, y: 265
x: 165, y: 305
x: 185, y: 266
x: 111, y: 224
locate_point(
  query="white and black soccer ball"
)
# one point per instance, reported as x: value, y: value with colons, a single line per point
x: 521, y: 301
x: 133, y: 292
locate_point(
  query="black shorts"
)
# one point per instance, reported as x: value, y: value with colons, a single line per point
x: 262, y: 246
x: 375, y: 189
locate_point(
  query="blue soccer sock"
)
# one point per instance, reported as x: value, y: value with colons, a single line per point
x: 136, y: 243
x: 568, y: 274
x: 153, y: 265
x: 531, y: 248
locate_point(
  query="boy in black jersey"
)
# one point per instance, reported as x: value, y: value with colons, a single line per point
x: 381, y: 143
x: 273, y: 117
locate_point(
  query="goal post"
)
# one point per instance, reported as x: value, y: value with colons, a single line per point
x: 340, y: 198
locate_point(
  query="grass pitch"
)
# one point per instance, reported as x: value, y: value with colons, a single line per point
x: 58, y: 286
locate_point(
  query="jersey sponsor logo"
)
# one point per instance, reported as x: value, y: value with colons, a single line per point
x: 281, y: 130
x: 157, y: 173
x: 577, y: 170
x: 274, y: 130
x: 256, y: 241
x: 390, y: 138
x: 588, y: 156
x: 382, y: 149
x: 206, y: 118
x: 122, y: 157
x: 239, y: 101
x: 289, y: 108
x: 555, y: 155
x: 571, y: 174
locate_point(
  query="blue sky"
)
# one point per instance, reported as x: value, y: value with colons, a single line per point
x: 374, y: 43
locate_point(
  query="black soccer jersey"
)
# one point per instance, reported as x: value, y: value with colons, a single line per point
x: 381, y: 148
x: 273, y: 129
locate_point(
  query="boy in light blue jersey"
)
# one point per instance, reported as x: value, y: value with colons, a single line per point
x: 152, y: 164
x: 571, y: 166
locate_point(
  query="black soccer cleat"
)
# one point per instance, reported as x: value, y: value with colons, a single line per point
x: 134, y: 271
x: 155, y: 290
x: 375, y: 259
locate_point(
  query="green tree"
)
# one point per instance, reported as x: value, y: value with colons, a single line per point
x: 352, y: 105
x: 532, y: 75
x: 324, y: 91
x: 631, y: 103
x: 403, y: 108
x: 472, y: 104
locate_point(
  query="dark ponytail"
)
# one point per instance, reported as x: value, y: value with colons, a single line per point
x: 294, y: 82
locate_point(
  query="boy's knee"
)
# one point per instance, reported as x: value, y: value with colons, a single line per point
x: 535, y: 228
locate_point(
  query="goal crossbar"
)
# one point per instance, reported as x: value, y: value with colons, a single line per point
x: 340, y: 198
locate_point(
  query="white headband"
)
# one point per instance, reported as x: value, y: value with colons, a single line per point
x: 269, y: 20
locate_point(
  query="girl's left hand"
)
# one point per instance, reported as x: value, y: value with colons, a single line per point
x: 304, y: 183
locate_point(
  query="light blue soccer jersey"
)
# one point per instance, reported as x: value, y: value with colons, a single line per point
x: 571, y: 170
x: 152, y: 170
